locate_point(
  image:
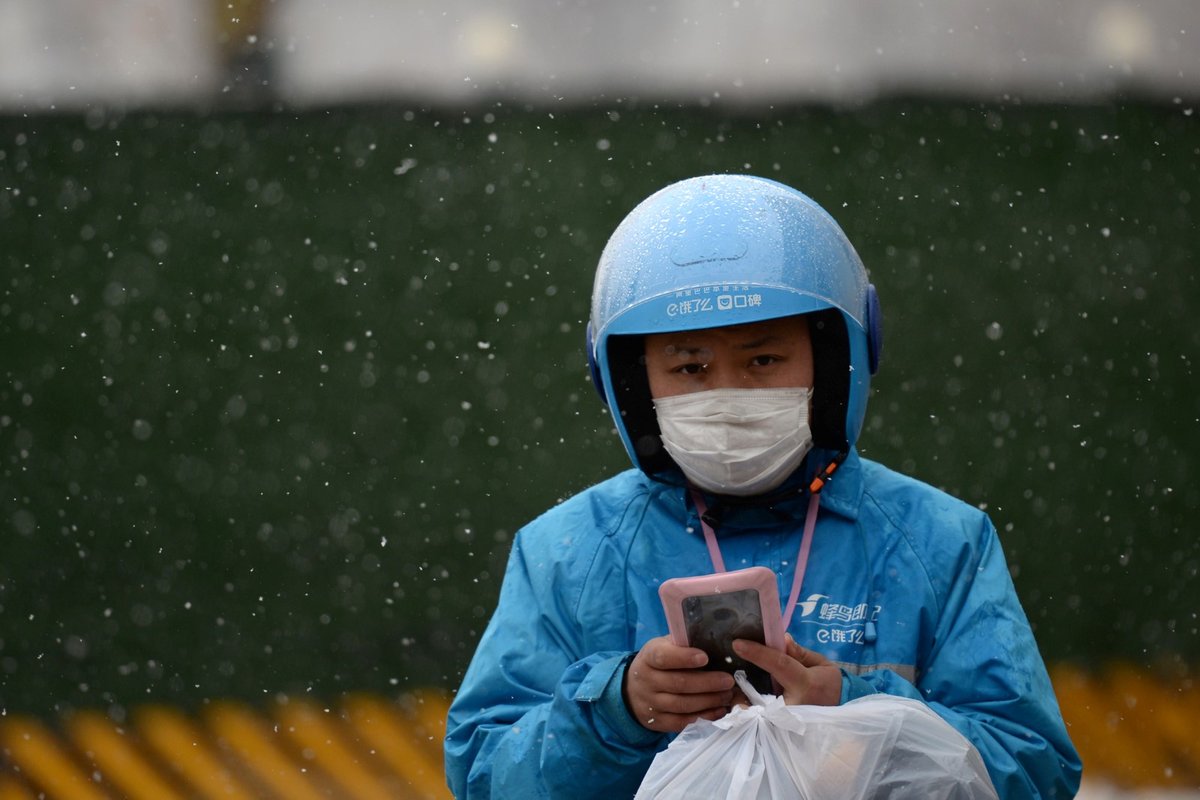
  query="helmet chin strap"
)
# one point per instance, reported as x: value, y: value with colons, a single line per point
x: 810, y: 523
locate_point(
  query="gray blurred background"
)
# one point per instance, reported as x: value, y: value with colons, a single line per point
x: 70, y: 54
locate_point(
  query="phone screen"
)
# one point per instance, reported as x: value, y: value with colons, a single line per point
x: 715, y: 620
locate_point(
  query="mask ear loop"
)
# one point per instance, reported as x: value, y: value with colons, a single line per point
x: 810, y: 524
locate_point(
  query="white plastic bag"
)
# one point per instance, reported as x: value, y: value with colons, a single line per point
x: 875, y: 747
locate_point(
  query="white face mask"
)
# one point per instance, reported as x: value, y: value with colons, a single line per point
x: 736, y: 441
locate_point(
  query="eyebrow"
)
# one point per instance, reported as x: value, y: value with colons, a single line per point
x: 770, y: 338
x: 682, y: 350
x: 686, y: 351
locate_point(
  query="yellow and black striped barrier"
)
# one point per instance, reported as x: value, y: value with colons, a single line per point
x: 1133, y: 730
x: 365, y: 748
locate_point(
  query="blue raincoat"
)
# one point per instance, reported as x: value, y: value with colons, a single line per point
x: 906, y: 589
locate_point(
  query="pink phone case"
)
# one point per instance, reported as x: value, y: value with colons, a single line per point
x: 673, y: 592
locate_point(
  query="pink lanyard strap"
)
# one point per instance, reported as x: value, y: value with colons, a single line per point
x: 810, y: 523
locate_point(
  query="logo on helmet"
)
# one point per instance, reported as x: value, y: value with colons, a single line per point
x: 729, y: 298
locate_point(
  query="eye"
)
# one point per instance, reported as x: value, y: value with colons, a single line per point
x: 764, y: 360
x: 694, y: 368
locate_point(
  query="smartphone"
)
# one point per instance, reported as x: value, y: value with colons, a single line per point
x: 710, y: 611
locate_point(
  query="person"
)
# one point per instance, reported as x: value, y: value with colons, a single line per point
x: 733, y: 336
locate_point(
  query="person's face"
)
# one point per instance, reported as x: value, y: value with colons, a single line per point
x: 772, y: 354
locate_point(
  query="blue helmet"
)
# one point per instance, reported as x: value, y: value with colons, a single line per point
x: 727, y: 250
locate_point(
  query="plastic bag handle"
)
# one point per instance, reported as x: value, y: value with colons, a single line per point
x: 756, y: 699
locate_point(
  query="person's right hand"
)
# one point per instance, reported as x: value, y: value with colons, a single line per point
x: 806, y: 677
x: 665, y: 689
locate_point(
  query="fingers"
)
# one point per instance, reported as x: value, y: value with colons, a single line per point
x: 665, y: 667
x: 808, y: 658
x: 686, y: 704
x: 663, y: 722
x: 667, y: 711
x: 666, y: 687
x: 773, y: 661
x: 661, y: 653
x: 697, y: 683
x: 665, y: 691
x: 805, y: 676
x: 769, y: 658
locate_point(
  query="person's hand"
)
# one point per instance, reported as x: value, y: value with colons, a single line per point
x: 665, y: 689
x: 806, y: 677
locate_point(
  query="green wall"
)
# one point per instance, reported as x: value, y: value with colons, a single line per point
x: 276, y: 390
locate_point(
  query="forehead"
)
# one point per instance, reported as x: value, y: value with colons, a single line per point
x: 773, y: 330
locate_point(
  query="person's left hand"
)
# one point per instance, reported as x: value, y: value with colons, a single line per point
x: 806, y: 677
